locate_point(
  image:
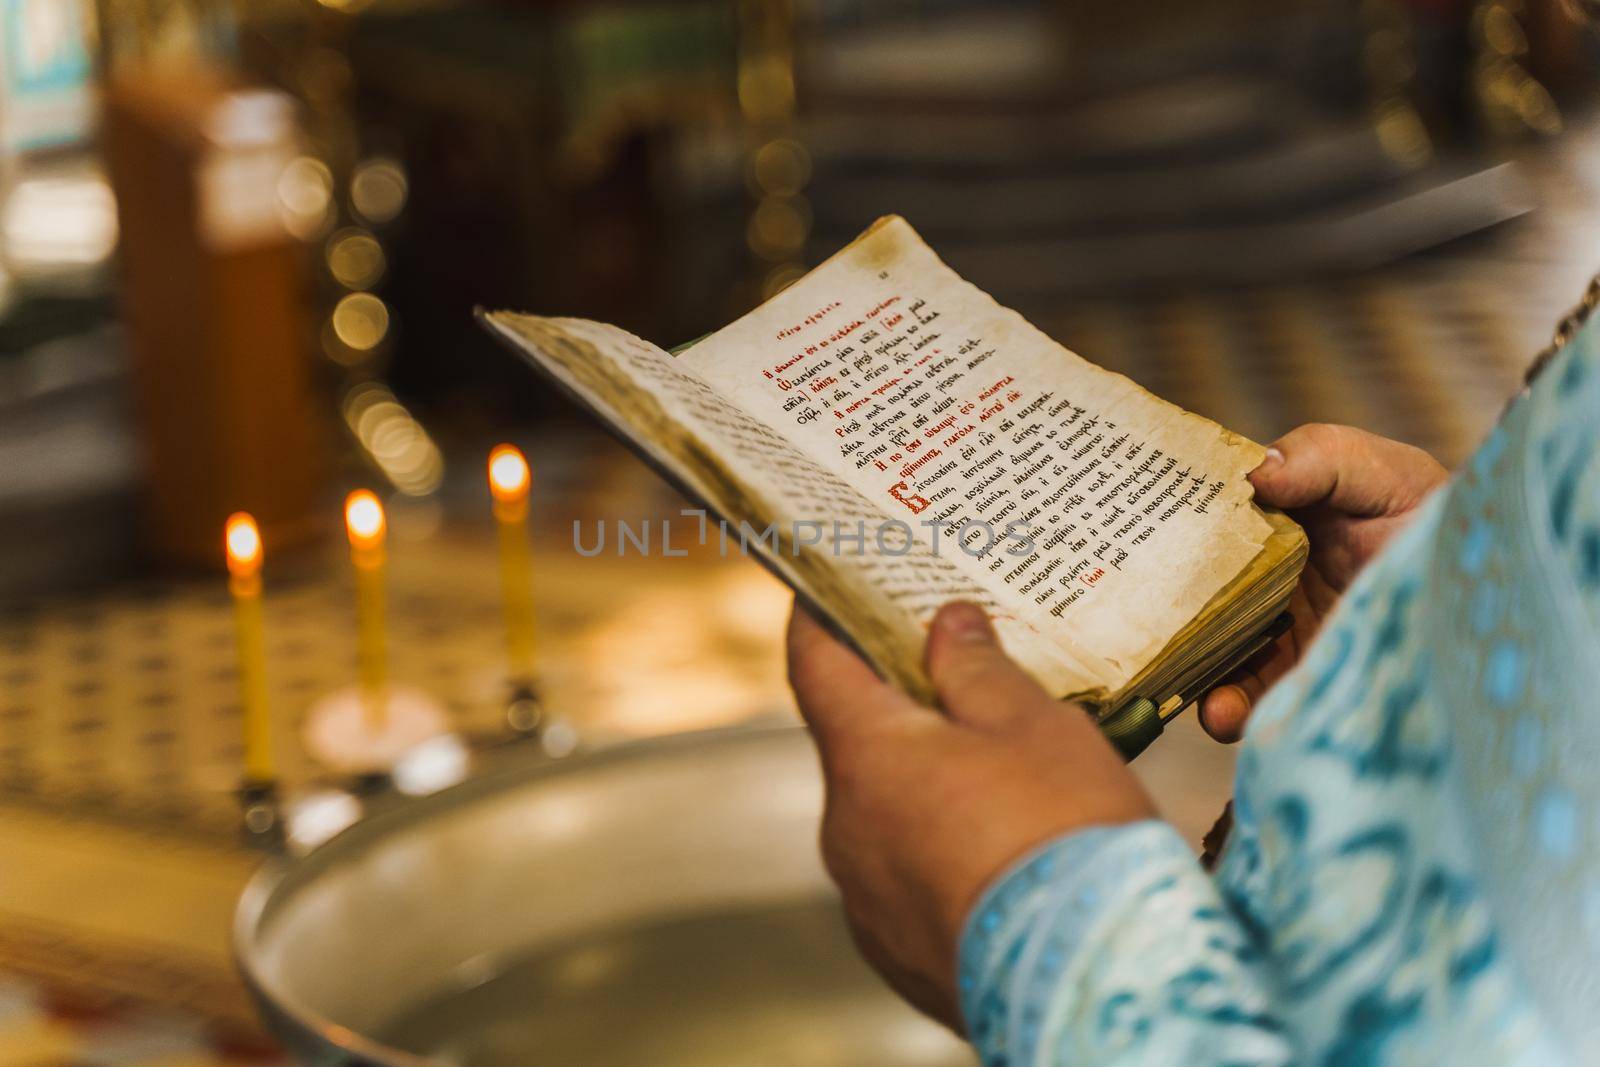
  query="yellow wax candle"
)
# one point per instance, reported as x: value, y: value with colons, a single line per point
x: 509, y: 481
x: 366, y: 526
x: 243, y: 543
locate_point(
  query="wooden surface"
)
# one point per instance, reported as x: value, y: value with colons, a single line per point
x: 215, y: 323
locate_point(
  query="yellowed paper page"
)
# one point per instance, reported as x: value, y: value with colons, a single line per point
x: 1098, y: 517
x: 746, y: 471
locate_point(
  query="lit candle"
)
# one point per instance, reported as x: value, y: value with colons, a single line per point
x: 509, y: 481
x: 243, y: 542
x: 365, y: 524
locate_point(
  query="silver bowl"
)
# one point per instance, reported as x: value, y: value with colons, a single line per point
x: 659, y: 904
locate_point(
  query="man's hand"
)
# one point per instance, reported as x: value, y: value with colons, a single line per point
x: 925, y: 809
x: 1352, y: 491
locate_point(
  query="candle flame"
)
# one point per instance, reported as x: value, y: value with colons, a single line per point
x: 243, y: 541
x: 509, y: 477
x: 363, y: 519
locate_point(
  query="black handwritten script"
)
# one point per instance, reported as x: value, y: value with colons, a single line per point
x: 899, y: 439
x: 957, y: 443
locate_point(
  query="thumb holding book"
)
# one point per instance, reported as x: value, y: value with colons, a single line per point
x: 927, y: 806
x: 1352, y: 491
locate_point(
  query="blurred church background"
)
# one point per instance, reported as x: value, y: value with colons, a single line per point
x: 240, y: 247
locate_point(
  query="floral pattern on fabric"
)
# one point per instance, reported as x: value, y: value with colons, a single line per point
x: 1413, y: 875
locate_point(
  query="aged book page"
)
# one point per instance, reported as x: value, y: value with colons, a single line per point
x: 755, y: 479
x: 944, y: 410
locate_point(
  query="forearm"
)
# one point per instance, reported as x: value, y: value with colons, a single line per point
x: 1112, y: 946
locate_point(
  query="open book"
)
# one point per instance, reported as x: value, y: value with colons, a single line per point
x: 885, y: 437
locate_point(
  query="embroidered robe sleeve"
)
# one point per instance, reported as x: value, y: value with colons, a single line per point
x: 1112, y: 946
